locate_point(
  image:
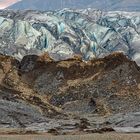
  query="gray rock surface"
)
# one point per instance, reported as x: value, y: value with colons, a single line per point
x: 128, y: 123
x: 18, y: 114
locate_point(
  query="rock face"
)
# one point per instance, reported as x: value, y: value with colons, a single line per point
x: 37, y: 91
x: 66, y: 33
x: 111, y: 5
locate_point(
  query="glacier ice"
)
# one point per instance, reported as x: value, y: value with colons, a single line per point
x: 64, y: 33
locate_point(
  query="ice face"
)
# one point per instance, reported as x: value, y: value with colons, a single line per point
x: 64, y: 33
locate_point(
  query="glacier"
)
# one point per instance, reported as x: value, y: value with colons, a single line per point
x: 65, y: 33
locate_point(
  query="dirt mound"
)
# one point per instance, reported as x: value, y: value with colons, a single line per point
x: 112, y: 82
x: 38, y: 88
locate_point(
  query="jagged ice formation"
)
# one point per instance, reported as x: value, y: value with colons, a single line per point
x: 64, y: 33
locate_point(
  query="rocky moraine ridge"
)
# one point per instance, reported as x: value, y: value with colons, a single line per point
x: 69, y: 71
x: 39, y: 94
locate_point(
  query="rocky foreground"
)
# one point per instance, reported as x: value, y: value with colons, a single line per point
x: 39, y: 95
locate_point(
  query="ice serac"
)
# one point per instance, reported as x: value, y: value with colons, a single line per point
x: 64, y: 33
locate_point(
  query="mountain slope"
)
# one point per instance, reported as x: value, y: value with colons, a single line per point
x: 125, y: 5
